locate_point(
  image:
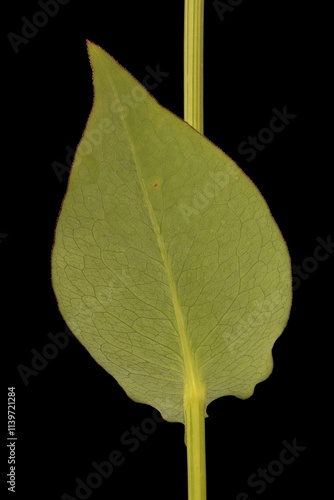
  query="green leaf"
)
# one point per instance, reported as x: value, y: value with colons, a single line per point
x: 167, y: 264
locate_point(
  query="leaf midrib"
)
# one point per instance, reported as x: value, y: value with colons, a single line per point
x: 192, y: 380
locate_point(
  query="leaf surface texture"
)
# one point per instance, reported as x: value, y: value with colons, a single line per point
x: 167, y: 263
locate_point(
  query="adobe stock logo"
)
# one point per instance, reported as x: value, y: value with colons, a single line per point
x: 100, y: 471
x: 265, y: 136
x: 41, y: 358
x: 260, y: 479
x: 152, y: 79
x: 310, y: 264
x: 30, y: 27
x: 223, y: 7
x: 200, y: 200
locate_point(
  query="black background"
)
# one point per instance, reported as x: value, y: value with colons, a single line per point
x: 263, y: 55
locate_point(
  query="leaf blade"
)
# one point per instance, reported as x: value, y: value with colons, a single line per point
x: 146, y: 274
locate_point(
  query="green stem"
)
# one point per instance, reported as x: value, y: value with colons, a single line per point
x: 194, y: 403
x: 194, y: 398
x: 193, y: 63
